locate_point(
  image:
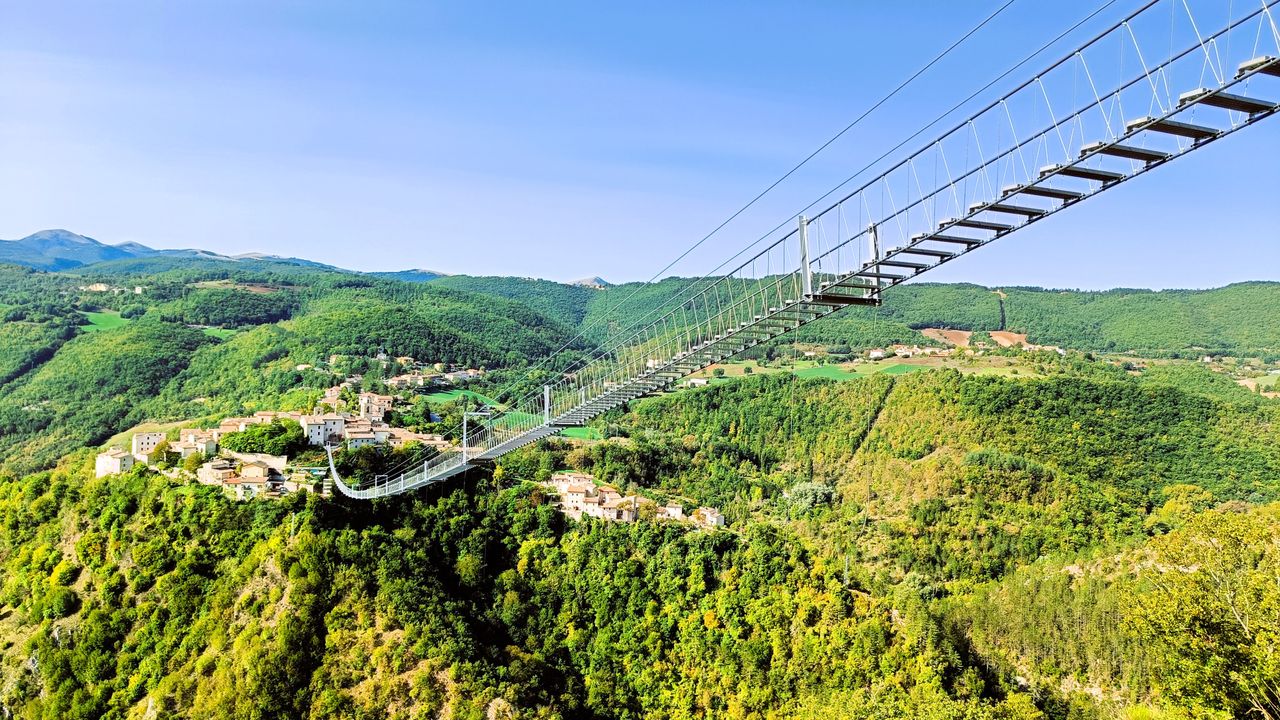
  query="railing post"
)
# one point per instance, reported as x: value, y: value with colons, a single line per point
x: 546, y: 404
x: 873, y: 236
x: 464, y: 436
x: 806, y: 276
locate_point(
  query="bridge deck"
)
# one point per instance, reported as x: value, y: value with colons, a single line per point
x: 1141, y: 145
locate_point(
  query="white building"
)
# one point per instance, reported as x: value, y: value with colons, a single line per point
x: 708, y: 517
x: 360, y: 438
x: 145, y: 443
x: 193, y: 442
x: 112, y: 462
x: 407, y: 380
x: 458, y: 377
x: 318, y: 429
x: 671, y: 512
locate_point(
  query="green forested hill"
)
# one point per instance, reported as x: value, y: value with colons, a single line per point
x: 61, y: 388
x: 1227, y: 319
x: 1153, y: 323
x: 1162, y: 323
x: 91, y: 388
x: 197, y: 261
x: 598, y: 312
x: 290, y: 315
x: 942, y: 434
x: 1095, y: 541
x: 984, y: 548
x: 36, y: 317
x: 1172, y: 322
x: 566, y: 303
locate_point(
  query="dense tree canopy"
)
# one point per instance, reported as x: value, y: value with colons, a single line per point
x: 1089, y: 540
x: 281, y: 436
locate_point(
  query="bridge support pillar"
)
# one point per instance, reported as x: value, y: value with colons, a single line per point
x: 546, y: 404
x: 806, y: 276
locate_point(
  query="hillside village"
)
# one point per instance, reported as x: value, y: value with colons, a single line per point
x: 254, y: 474
x: 348, y: 417
x: 580, y: 496
x: 344, y: 416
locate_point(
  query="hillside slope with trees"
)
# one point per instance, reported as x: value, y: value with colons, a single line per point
x: 1168, y: 323
x: 931, y: 545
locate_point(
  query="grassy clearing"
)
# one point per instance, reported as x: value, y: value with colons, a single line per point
x: 993, y: 365
x: 830, y: 372
x: 104, y: 320
x: 901, y: 369
x: 450, y: 395
x: 220, y: 333
x: 255, y: 288
x: 123, y: 439
x: 516, y: 420
x: 582, y: 433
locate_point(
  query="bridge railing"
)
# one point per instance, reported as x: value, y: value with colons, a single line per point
x: 1149, y: 89
x: 1138, y: 68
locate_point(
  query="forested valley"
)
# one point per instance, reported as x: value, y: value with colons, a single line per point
x: 1094, y: 537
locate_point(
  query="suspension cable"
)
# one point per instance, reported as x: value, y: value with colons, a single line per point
x: 900, y: 87
x: 679, y: 297
x: 924, y: 128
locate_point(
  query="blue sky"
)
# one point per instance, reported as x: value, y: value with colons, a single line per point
x: 555, y: 140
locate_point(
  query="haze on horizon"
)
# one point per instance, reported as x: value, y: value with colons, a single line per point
x: 560, y: 142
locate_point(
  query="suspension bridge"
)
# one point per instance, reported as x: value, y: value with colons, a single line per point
x: 1170, y: 78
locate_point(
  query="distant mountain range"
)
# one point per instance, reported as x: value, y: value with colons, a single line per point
x: 419, y: 275
x: 55, y: 250
x: 63, y: 250
x: 59, y: 250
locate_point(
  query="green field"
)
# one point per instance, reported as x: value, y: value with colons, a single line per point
x: 901, y: 369
x: 1269, y: 382
x: 104, y: 320
x: 582, y: 433
x: 840, y: 372
x: 451, y: 395
x: 220, y: 333
x: 516, y: 420
x: 830, y: 372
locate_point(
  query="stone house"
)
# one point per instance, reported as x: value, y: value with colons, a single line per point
x: 196, y: 442
x: 323, y: 429
x: 216, y: 471
x: 671, y: 512
x: 374, y: 406
x: 112, y: 462
x: 708, y: 517
x: 244, y: 488
x: 144, y: 443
